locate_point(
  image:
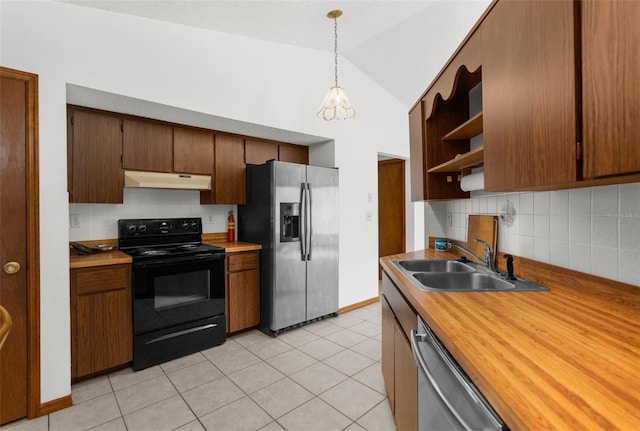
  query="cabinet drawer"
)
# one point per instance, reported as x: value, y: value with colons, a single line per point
x: 243, y: 261
x: 402, y: 310
x: 91, y: 280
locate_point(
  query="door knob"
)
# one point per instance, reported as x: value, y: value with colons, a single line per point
x: 11, y: 267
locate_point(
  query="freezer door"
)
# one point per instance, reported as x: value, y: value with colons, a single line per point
x: 322, y: 263
x: 288, y: 290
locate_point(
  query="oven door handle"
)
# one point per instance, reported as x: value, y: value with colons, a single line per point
x: 195, y: 259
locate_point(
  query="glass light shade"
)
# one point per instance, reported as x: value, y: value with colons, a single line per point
x: 336, y: 105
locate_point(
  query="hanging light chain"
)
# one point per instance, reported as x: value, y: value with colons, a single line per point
x: 335, y: 46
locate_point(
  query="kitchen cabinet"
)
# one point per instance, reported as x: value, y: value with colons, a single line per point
x: 293, y: 153
x: 94, y: 152
x: 399, y: 369
x: 192, y: 151
x: 440, y: 127
x: 258, y: 152
x: 529, y: 95
x: 147, y: 146
x: 243, y: 290
x: 101, y: 327
x: 229, y: 172
x: 610, y: 83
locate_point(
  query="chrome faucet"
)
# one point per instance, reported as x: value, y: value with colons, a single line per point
x: 488, y: 258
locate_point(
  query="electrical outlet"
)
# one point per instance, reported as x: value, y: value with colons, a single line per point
x: 75, y: 221
x: 210, y: 218
x: 450, y: 219
x: 368, y: 216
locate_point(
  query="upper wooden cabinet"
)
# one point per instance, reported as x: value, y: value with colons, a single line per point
x: 258, y: 152
x: 192, y: 151
x: 529, y: 95
x: 229, y: 177
x: 94, y: 157
x: 147, y: 146
x: 293, y: 153
x: 610, y: 84
x: 440, y: 128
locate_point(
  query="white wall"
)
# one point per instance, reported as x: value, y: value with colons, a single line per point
x: 592, y: 230
x: 218, y: 74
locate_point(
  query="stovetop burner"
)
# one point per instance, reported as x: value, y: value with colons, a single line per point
x: 150, y: 238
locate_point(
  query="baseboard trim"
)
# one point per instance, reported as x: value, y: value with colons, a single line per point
x: 359, y: 305
x: 55, y: 405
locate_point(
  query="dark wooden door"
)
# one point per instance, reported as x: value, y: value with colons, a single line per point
x: 95, y: 157
x: 230, y: 170
x: 391, y: 214
x: 258, y: 152
x: 192, y: 151
x: 17, y: 129
x: 610, y: 83
x: 293, y: 153
x: 529, y: 95
x: 147, y: 146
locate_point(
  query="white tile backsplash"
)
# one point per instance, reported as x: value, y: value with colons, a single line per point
x: 100, y: 221
x: 593, y: 230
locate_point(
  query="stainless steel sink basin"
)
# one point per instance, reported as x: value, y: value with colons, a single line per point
x: 462, y: 282
x: 427, y: 265
x: 441, y: 275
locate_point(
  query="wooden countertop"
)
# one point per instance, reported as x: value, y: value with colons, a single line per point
x: 566, y: 359
x: 99, y: 259
x: 115, y: 257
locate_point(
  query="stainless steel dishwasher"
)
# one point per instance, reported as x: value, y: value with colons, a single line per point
x: 447, y: 399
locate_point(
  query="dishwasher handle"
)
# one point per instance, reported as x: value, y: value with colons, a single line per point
x: 430, y: 339
x: 422, y: 364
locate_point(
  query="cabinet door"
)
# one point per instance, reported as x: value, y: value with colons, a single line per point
x: 101, y: 319
x: 293, y: 153
x: 388, y: 347
x: 147, y: 146
x: 529, y: 95
x: 95, y: 153
x: 610, y: 83
x: 229, y: 170
x: 406, y: 384
x: 192, y: 151
x: 416, y: 142
x: 244, y: 290
x: 258, y: 152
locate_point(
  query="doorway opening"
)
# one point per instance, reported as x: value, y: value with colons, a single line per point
x: 391, y: 208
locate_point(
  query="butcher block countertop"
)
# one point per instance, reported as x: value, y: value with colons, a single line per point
x: 566, y: 359
x: 115, y: 256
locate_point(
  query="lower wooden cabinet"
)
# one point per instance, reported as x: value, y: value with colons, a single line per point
x: 399, y: 368
x: 101, y: 327
x: 243, y: 290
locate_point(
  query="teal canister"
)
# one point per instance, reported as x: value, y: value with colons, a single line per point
x: 440, y: 244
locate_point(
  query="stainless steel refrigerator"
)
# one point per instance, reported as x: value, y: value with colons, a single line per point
x: 292, y: 211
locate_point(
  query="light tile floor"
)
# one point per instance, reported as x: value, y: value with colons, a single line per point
x: 324, y: 376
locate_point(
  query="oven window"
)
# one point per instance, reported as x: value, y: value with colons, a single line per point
x: 181, y: 289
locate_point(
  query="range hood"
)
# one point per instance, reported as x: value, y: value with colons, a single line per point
x: 161, y: 180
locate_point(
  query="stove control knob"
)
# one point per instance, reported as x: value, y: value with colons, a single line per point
x: 185, y: 225
x: 142, y: 228
x: 131, y: 228
x: 194, y: 226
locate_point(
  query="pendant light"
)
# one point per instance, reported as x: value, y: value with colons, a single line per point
x: 336, y: 104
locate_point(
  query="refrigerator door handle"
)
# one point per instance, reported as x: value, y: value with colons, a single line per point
x: 303, y: 216
x: 308, y: 230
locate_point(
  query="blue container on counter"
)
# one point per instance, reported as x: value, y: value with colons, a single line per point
x: 440, y: 244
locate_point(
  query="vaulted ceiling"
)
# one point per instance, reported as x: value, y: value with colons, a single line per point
x: 399, y: 44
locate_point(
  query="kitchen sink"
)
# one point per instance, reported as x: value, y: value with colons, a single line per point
x: 440, y: 265
x: 442, y: 275
x: 462, y: 281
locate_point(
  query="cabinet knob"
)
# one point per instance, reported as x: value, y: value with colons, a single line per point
x: 11, y: 267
